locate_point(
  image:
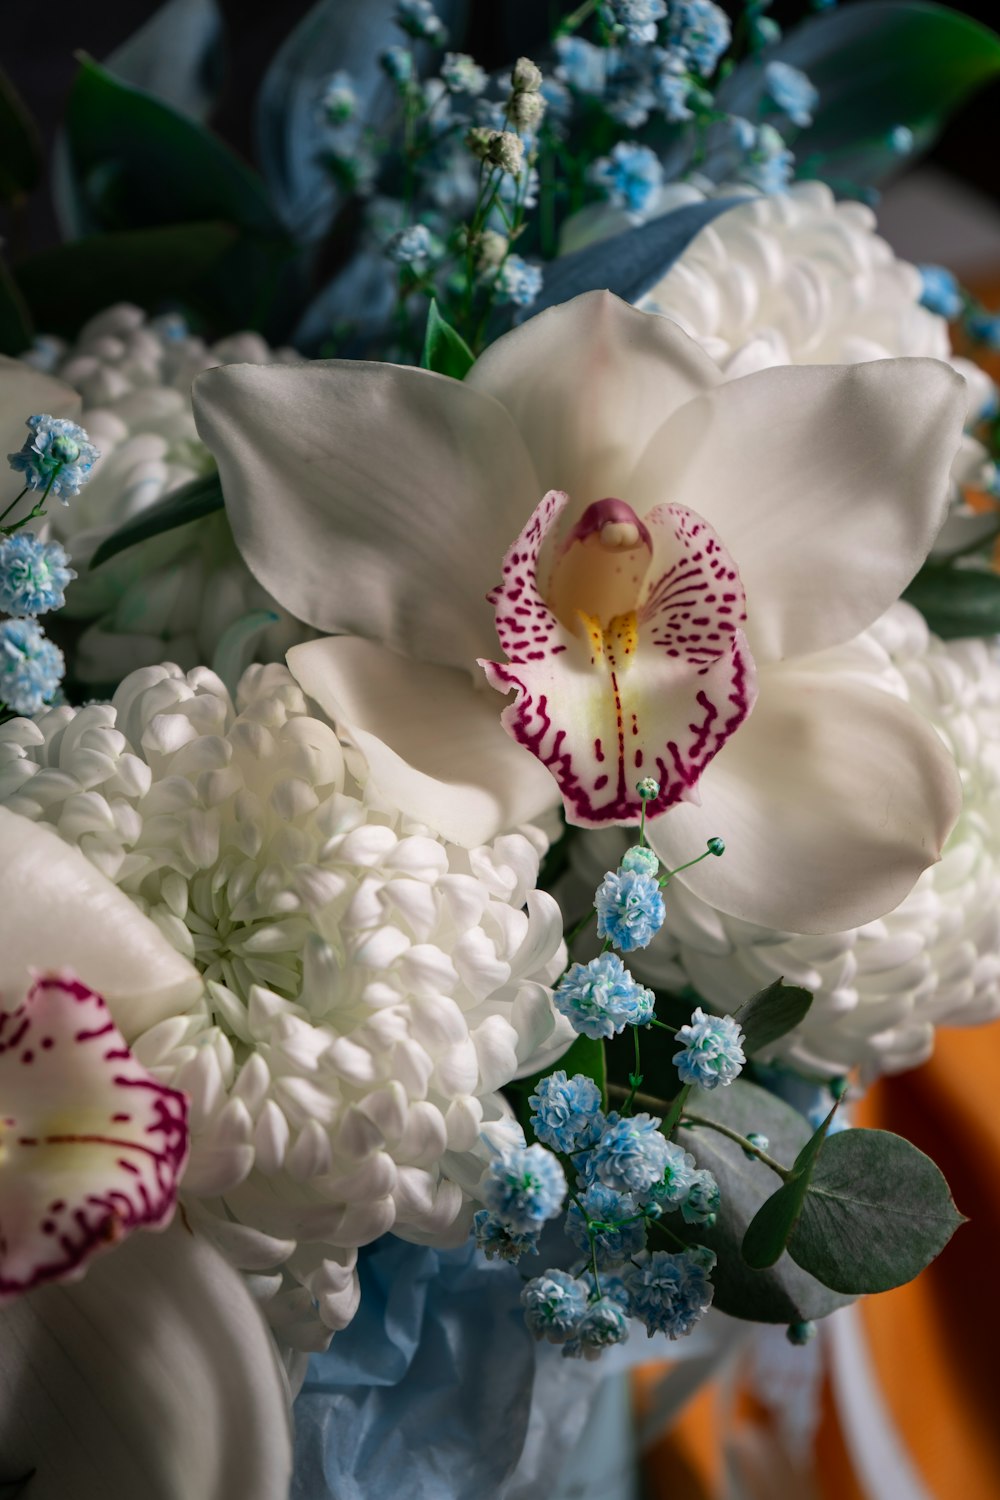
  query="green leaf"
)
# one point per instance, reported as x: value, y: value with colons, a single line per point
x: 16, y: 331
x: 771, y: 1013
x: 143, y: 163
x: 877, y: 1212
x: 445, y: 350
x: 782, y: 1293
x: 21, y: 160
x: 877, y: 65
x: 956, y: 601
x: 769, y: 1230
x: 67, y: 285
x: 200, y: 497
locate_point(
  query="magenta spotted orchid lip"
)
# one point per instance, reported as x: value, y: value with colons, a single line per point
x: 629, y: 661
x: 92, y: 1146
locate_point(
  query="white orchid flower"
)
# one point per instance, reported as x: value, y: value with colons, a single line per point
x: 377, y: 501
x: 152, y: 1373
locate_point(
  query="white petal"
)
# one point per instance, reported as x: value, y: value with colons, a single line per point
x: 369, y: 498
x: 832, y: 798
x: 434, y: 744
x: 61, y: 913
x: 588, y: 383
x: 153, y: 1376
x: 827, y: 485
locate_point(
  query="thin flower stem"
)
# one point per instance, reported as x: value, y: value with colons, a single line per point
x: 636, y: 1078
x: 576, y: 18
x: 16, y: 501
x: 785, y: 1173
x: 659, y: 1224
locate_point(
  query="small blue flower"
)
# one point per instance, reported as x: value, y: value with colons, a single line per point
x: 582, y: 65
x: 412, y: 246
x: 699, y: 30
x: 900, y: 139
x: 31, y: 668
x: 671, y: 1187
x: 525, y: 1187
x: 601, y: 997
x: 604, y: 1323
x: 554, y: 1304
x: 419, y: 19
x: 636, y: 18
x: 631, y: 1154
x: 630, y: 909
x: 497, y: 1242
x: 983, y: 328
x: 518, y: 282
x: 672, y: 87
x: 339, y: 103
x: 58, y: 453
x: 641, y: 859
x: 568, y: 1113
x: 713, y: 1051
x: 671, y: 1292
x: 940, y: 292
x: 703, y: 1200
x: 627, y: 1234
x: 398, y: 63
x: 767, y: 162
x: 612, y: 1285
x: 791, y: 91
x: 33, y: 575
x: 629, y: 177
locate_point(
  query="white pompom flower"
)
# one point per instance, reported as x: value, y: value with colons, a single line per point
x: 180, y: 593
x: 368, y: 986
x: 881, y: 989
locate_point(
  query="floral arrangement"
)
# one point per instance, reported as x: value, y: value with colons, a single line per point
x: 510, y: 754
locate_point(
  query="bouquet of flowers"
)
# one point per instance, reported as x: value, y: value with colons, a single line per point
x: 510, y: 753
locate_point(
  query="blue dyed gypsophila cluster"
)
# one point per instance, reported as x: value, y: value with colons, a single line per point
x: 670, y: 1292
x: 601, y: 998
x: 940, y: 292
x: 637, y: 19
x: 524, y: 1187
x: 567, y: 1112
x: 517, y: 281
x: 412, y: 246
x: 419, y: 19
x: 712, y: 1050
x: 791, y: 92
x: 700, y: 32
x: 630, y: 910
x: 31, y: 667
x: 765, y: 161
x: 33, y: 575
x: 339, y: 103
x: 57, y: 457
x: 629, y: 176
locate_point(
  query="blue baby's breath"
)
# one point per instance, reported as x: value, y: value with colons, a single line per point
x: 524, y: 1187
x: 33, y: 575
x: 31, y: 667
x: 630, y: 909
x: 58, y: 456
x: 668, y: 1292
x: 567, y: 1111
x: 600, y: 998
x: 623, y: 1231
x: 712, y: 1051
x: 554, y: 1304
x: 631, y: 1154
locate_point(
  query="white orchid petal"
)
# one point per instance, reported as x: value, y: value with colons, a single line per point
x: 653, y: 692
x: 588, y: 383
x: 59, y: 912
x: 434, y: 745
x: 154, y: 1375
x: 91, y: 1145
x: 827, y: 485
x: 832, y: 799
x: 368, y: 498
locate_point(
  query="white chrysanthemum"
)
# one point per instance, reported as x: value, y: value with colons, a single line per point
x: 799, y: 278
x: 368, y: 986
x: 188, y: 594
x: 880, y: 989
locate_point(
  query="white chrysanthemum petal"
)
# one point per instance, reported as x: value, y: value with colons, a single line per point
x: 363, y: 987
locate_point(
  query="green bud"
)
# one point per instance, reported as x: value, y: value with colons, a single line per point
x: 800, y: 1333
x: 716, y: 846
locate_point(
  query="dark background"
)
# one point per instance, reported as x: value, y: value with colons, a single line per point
x: 38, y: 39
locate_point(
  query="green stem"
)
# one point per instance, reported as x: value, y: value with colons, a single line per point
x: 16, y: 501
x: 673, y: 1115
x: 785, y: 1173
x: 576, y: 18
x: 636, y: 1078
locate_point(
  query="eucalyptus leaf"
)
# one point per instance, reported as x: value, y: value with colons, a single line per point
x: 769, y: 1230
x: 956, y: 601
x: 771, y: 1014
x: 199, y: 497
x: 877, y: 65
x: 70, y: 283
x: 629, y: 264
x: 176, y: 56
x: 21, y: 159
x: 445, y: 351
x: 877, y: 1212
x: 782, y: 1293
